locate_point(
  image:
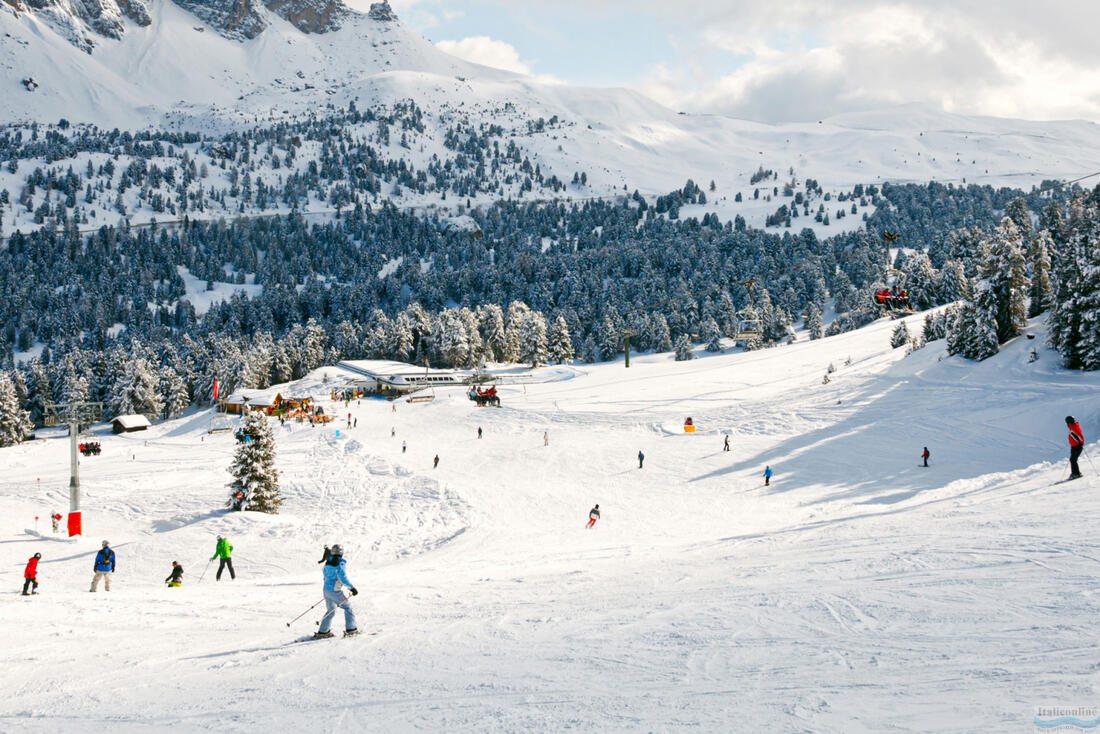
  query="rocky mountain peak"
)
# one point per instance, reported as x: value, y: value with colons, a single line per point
x: 238, y: 19
x: 310, y: 16
x: 382, y: 11
x: 82, y: 20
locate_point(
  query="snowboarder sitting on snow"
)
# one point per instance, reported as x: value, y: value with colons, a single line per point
x: 335, y: 579
x: 767, y: 476
x: 1076, y: 446
x: 925, y: 455
x: 104, y: 567
x: 223, y: 550
x: 175, y: 579
x: 593, y: 516
x: 30, y: 575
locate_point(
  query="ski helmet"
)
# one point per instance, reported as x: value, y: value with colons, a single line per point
x: 597, y: 506
x: 1069, y: 420
x: 337, y: 549
x: 37, y: 555
x: 105, y: 544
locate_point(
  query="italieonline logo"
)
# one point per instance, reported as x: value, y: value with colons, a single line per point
x: 1067, y: 718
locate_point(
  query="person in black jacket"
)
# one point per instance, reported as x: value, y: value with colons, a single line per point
x: 175, y: 579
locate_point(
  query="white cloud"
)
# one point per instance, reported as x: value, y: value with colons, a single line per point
x: 487, y: 52
x: 821, y: 58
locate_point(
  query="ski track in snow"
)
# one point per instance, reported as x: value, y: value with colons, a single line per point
x: 859, y: 592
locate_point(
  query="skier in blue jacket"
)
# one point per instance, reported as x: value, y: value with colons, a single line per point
x: 767, y: 476
x: 335, y: 579
x: 104, y: 567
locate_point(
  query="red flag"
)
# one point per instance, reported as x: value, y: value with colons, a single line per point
x: 215, y: 389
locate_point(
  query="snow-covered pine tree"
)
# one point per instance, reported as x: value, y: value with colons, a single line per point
x: 282, y: 369
x: 399, y: 341
x: 255, y: 484
x: 532, y: 339
x: 15, y: 423
x: 1041, y: 293
x: 560, y: 345
x: 452, y: 339
x: 683, y: 349
x: 39, y: 391
x: 1074, y: 320
x: 135, y: 391
x: 173, y: 392
x: 313, y: 352
x: 713, y: 334
x: 491, y: 320
x: 660, y: 339
x: 1005, y: 269
x: 951, y: 282
x: 516, y: 312
x: 973, y: 331
x: 813, y: 322
x: 900, y: 337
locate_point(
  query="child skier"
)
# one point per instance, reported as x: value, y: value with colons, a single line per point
x: 175, y: 579
x: 1076, y: 446
x: 335, y: 579
x: 30, y: 575
x: 593, y: 516
x: 767, y: 476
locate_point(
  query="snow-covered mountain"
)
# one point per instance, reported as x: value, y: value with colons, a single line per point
x: 206, y: 65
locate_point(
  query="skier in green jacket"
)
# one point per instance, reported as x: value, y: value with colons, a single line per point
x: 223, y: 551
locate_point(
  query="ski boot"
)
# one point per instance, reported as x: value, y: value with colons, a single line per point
x: 351, y: 633
x: 322, y: 635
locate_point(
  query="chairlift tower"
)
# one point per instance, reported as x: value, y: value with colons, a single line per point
x: 76, y: 414
x: 626, y: 334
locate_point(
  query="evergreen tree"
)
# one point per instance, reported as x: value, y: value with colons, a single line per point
x: 15, y: 423
x: 560, y: 346
x: 1041, y: 293
x: 135, y: 391
x: 683, y: 349
x: 660, y: 340
x: 255, y: 484
x: 713, y: 334
x: 491, y: 320
x: 900, y: 337
x: 813, y: 322
x: 173, y: 392
x: 532, y: 339
x: 1005, y: 270
x: 973, y: 331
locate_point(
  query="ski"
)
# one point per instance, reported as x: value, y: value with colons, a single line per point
x: 311, y: 638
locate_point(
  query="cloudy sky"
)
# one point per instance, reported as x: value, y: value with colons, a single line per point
x: 795, y: 60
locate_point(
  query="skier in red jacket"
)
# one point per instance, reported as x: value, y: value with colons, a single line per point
x: 1076, y: 446
x: 30, y: 575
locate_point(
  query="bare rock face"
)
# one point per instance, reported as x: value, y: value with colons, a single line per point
x: 136, y: 11
x: 81, y: 21
x: 17, y: 4
x: 237, y: 19
x: 382, y: 11
x: 310, y: 16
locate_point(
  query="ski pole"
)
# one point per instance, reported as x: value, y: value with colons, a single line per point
x: 303, y: 613
x: 203, y: 575
x: 328, y: 614
x: 1089, y: 458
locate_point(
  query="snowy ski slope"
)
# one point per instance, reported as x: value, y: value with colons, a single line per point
x: 859, y: 592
